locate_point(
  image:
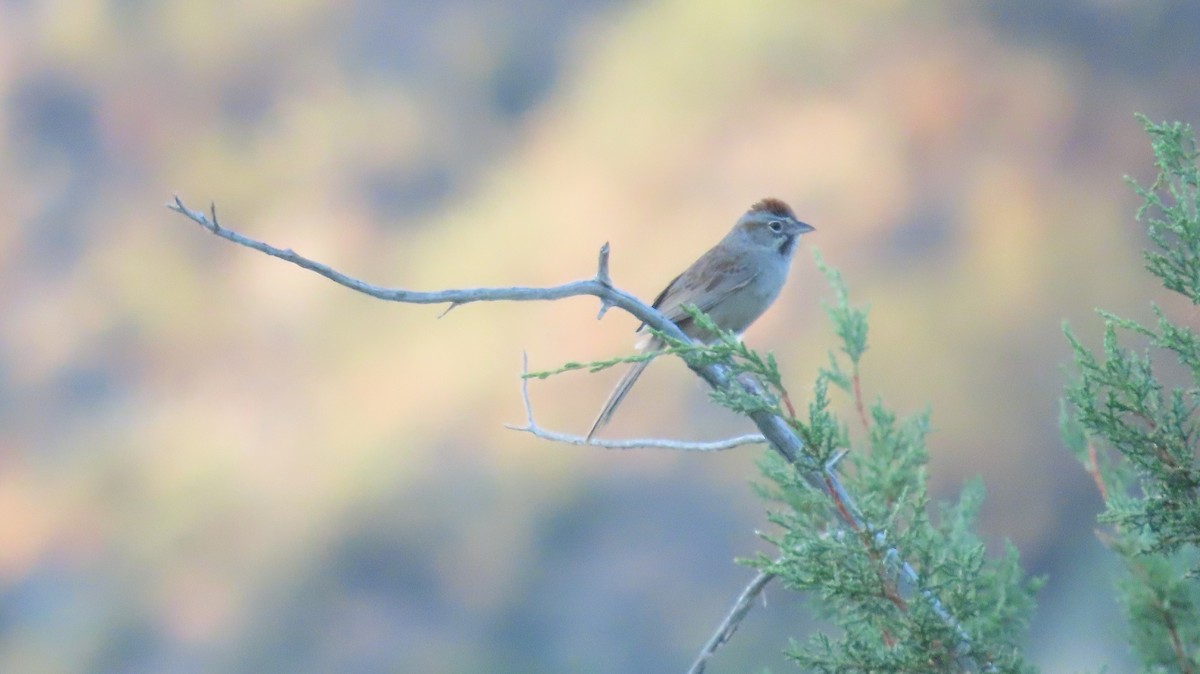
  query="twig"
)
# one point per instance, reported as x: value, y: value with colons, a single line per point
x: 532, y: 427
x: 787, y: 403
x: 1093, y: 467
x: 858, y: 399
x: 732, y: 621
x: 603, y: 278
x: 1181, y: 657
x: 1165, y: 614
x: 774, y: 428
x: 1138, y: 569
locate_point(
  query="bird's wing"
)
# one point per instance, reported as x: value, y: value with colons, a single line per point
x: 705, y: 284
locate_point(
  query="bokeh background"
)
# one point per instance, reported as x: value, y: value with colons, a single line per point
x: 211, y: 461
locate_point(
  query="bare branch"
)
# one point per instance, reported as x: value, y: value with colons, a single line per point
x: 732, y: 621
x: 532, y: 427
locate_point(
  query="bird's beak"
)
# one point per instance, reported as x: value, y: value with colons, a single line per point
x: 804, y: 227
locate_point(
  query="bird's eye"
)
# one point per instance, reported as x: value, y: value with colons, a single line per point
x: 776, y: 226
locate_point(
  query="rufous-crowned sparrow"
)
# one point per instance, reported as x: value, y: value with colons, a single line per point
x: 734, y: 283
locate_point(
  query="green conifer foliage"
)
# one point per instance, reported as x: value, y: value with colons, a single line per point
x: 1136, y: 434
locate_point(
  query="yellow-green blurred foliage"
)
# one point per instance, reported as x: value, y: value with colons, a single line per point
x: 213, y: 461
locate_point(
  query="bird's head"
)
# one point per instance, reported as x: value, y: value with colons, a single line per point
x: 770, y: 223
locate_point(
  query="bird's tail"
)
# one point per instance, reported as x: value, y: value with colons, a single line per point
x: 622, y: 389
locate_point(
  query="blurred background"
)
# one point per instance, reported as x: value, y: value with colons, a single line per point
x: 212, y: 461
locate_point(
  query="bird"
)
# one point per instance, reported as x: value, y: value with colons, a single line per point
x: 734, y: 283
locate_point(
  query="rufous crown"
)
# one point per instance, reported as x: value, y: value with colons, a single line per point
x: 774, y: 207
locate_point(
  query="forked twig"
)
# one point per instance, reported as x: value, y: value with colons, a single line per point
x: 532, y: 427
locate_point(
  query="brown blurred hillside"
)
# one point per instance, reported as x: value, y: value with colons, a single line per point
x: 211, y: 461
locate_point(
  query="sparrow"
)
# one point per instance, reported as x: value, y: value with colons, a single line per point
x: 734, y: 283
